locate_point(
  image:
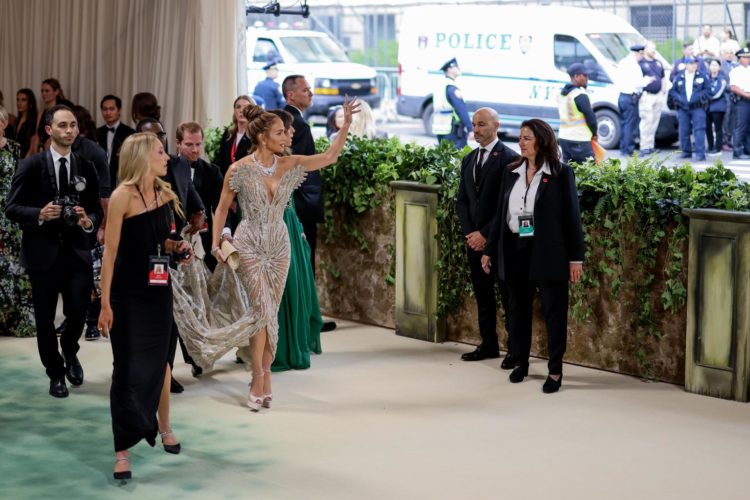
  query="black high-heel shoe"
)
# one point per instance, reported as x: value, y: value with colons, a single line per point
x: 519, y: 373
x: 126, y: 474
x: 551, y: 385
x: 169, y: 448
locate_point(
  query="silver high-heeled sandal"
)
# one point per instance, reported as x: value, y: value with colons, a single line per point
x: 255, y: 403
x: 267, y: 398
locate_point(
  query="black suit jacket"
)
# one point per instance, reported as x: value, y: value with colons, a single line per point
x: 224, y: 157
x: 33, y: 186
x: 308, y: 198
x: 178, y: 176
x: 477, y: 202
x: 208, y: 182
x: 558, y: 235
x: 122, y: 133
x: 92, y: 152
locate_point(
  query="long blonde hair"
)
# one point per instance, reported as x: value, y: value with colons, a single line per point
x: 134, y: 166
x: 363, y: 123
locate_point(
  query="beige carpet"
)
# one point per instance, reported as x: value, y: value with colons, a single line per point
x: 378, y: 417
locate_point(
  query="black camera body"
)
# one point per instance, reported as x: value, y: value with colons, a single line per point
x: 68, y: 204
x: 70, y: 201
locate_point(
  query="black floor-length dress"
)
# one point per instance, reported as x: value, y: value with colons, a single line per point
x: 141, y: 330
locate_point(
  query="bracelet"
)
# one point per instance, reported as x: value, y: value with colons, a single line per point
x: 214, y: 250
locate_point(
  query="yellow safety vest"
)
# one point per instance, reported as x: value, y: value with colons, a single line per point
x: 442, y: 111
x: 572, y: 122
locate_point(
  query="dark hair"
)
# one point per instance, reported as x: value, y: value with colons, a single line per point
x: 32, y: 112
x: 547, y: 150
x: 139, y: 126
x: 286, y: 117
x: 55, y: 84
x: 145, y: 105
x: 258, y: 122
x: 110, y: 97
x: 191, y: 127
x: 290, y: 84
x: 331, y: 127
x: 49, y: 115
x: 86, y: 125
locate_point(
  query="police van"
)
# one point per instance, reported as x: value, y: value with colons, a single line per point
x: 514, y: 59
x: 316, y: 56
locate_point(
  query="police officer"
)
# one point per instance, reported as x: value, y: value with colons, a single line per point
x: 690, y: 93
x: 652, y: 99
x: 679, y: 64
x: 450, y: 118
x: 631, y: 82
x: 577, y: 118
x: 739, y: 84
x: 268, y: 90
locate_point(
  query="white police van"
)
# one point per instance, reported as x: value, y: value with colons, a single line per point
x: 514, y: 59
x: 317, y: 57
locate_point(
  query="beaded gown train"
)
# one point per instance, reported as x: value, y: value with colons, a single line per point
x: 217, y: 312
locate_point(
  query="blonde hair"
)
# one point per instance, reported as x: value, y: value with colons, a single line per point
x: 3, y: 114
x: 363, y: 123
x: 134, y: 166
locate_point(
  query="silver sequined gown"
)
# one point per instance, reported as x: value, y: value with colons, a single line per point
x: 218, y: 312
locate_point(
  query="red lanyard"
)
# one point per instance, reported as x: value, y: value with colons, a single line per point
x: 234, y: 149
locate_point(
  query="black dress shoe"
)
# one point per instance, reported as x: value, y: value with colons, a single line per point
x: 551, y: 385
x: 519, y: 373
x: 57, y: 388
x: 328, y: 326
x: 510, y: 361
x: 92, y: 332
x: 60, y: 329
x: 197, y: 371
x: 73, y: 370
x: 478, y: 355
x: 175, y: 387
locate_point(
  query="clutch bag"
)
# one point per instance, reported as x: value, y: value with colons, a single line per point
x: 230, y: 254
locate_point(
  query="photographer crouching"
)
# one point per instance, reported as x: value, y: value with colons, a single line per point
x: 54, y: 197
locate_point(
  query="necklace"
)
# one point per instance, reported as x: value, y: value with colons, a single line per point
x: 267, y: 171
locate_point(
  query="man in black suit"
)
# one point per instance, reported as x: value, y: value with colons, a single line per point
x: 57, y: 240
x: 179, y: 177
x: 481, y: 173
x: 111, y: 136
x: 308, y: 198
x: 207, y: 179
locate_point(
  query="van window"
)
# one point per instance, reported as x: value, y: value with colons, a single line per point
x: 569, y: 50
x: 265, y: 50
x: 614, y: 46
x: 314, y: 49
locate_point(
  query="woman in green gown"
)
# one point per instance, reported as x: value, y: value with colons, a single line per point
x: 299, y: 312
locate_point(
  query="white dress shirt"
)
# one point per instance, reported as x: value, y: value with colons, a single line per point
x: 711, y: 44
x: 631, y: 79
x: 740, y: 77
x: 689, y: 79
x: 56, y: 161
x: 489, y: 147
x: 523, y: 196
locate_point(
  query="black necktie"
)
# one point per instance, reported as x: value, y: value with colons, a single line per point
x: 478, y: 167
x: 62, y: 178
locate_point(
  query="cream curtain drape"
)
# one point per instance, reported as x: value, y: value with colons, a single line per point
x: 183, y: 51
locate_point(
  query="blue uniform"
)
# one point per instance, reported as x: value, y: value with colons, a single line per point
x: 679, y: 67
x: 462, y: 125
x: 691, y: 113
x: 268, y: 89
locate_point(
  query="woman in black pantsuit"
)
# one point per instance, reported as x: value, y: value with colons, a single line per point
x: 136, y: 310
x: 536, y: 242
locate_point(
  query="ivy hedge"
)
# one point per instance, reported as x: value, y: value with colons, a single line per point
x: 628, y: 209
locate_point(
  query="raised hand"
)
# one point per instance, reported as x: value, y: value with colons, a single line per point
x: 350, y: 108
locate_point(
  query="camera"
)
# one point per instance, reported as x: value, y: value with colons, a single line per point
x: 69, y: 202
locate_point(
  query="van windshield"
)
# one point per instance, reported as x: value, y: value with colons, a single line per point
x: 314, y: 49
x: 614, y: 46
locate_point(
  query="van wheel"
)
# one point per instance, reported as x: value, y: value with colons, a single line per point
x: 608, y: 128
x: 427, y: 120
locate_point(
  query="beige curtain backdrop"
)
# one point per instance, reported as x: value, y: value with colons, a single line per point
x: 183, y: 51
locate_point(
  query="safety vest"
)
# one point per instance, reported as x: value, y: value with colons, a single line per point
x: 442, y: 111
x: 572, y: 122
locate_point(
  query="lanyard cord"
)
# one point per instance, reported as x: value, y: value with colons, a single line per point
x: 151, y: 222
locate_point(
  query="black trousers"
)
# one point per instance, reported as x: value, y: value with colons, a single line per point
x: 576, y: 151
x: 714, y: 124
x: 311, y: 235
x: 72, y: 278
x: 484, y: 293
x: 521, y: 291
x: 741, y: 139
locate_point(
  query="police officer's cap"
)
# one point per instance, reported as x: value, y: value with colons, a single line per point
x: 449, y: 64
x: 578, y: 69
x: 743, y: 52
x: 637, y: 47
x: 691, y: 59
x: 270, y: 64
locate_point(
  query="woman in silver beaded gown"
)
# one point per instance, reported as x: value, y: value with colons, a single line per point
x: 225, y: 310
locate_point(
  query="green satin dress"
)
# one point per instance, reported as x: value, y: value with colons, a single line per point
x: 299, y: 312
